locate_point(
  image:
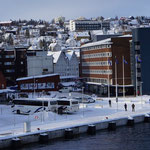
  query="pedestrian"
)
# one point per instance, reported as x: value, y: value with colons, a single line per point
x: 125, y: 107
x: 109, y: 103
x: 133, y: 107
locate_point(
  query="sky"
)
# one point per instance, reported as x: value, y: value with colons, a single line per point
x: 71, y: 9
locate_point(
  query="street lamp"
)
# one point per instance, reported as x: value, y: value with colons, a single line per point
x: 82, y: 100
x: 82, y: 93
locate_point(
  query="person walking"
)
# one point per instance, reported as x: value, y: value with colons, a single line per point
x: 125, y: 107
x: 133, y: 107
x: 109, y: 103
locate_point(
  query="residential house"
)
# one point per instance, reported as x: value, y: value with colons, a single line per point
x: 65, y: 63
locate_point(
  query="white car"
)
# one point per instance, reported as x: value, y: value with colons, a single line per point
x: 66, y: 89
x: 88, y: 100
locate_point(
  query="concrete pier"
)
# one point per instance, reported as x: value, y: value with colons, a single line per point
x: 75, y: 129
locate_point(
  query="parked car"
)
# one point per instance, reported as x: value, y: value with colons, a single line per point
x: 66, y: 89
x: 88, y: 100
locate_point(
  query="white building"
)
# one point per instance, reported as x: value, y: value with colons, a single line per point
x: 82, y: 25
x: 38, y: 62
x: 71, y: 42
x: 34, y: 32
x: 65, y: 63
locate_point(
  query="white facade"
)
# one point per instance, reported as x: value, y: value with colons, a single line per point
x: 65, y: 63
x: 88, y: 25
x: 39, y: 64
x: 72, y: 25
x: 34, y: 32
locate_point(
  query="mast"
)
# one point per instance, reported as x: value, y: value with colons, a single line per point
x: 116, y: 78
x: 123, y: 76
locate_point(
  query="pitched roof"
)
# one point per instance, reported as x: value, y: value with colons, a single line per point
x: 69, y: 54
x: 55, y: 55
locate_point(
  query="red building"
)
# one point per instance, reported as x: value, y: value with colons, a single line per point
x: 40, y: 83
x: 2, y: 81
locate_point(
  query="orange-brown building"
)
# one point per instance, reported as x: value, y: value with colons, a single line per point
x: 102, y: 64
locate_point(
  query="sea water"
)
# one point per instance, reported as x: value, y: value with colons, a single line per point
x: 124, y: 138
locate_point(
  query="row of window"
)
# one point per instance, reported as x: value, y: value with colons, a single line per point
x: 68, y: 74
x: 96, y: 47
x: 8, y: 63
x: 9, y: 56
x: 97, y: 55
x: 86, y: 71
x: 99, y: 80
x: 97, y: 63
x: 31, y: 86
x: 67, y: 69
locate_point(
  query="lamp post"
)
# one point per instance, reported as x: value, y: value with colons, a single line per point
x: 82, y: 100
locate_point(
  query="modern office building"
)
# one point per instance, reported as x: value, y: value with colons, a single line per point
x: 140, y: 51
x: 102, y: 64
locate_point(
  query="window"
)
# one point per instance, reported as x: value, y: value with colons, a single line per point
x: 45, y: 70
x: 10, y: 70
x: 9, y: 56
x: 8, y: 63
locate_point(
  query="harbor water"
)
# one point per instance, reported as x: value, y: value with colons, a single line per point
x: 125, y: 138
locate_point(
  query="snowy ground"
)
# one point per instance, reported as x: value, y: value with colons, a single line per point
x: 13, y: 124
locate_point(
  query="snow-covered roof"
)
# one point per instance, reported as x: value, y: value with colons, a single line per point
x: 55, y: 54
x: 33, y: 47
x: 39, y: 76
x: 68, y: 77
x: 69, y: 54
x: 70, y: 40
x: 94, y: 83
x: 133, y: 22
x: 53, y: 44
x: 5, y: 22
x: 68, y: 83
x: 127, y: 35
x: 97, y: 32
x: 6, y: 90
x: 2, y: 44
x: 106, y: 41
x: 82, y: 34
